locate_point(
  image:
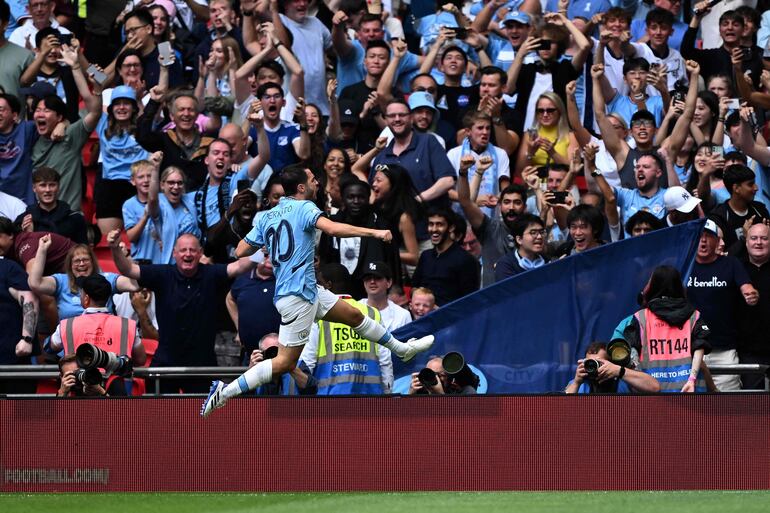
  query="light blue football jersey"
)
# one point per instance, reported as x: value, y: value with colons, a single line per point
x: 288, y: 231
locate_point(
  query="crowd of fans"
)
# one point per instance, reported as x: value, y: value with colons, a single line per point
x: 490, y: 138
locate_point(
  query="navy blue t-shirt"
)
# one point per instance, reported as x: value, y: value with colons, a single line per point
x: 258, y: 316
x: 714, y: 289
x: 11, y: 276
x: 187, y: 321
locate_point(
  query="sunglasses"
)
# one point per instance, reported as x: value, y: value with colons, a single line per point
x: 549, y: 110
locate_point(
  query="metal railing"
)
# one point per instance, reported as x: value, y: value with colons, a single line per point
x: 27, y: 372
x: 33, y: 372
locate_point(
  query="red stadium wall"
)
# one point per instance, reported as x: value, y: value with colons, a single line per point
x: 389, y: 443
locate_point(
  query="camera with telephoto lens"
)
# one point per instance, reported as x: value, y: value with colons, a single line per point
x: 427, y: 378
x: 87, y: 377
x: 461, y: 377
x: 91, y: 357
x: 270, y: 353
x: 619, y: 353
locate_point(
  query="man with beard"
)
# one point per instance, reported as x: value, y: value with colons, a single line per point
x: 420, y: 154
x: 356, y: 253
x: 718, y: 61
x: 754, y: 321
x: 184, y: 293
x: 648, y: 194
x: 530, y: 234
x: 494, y: 233
x: 363, y: 95
x: 288, y: 230
x: 642, y: 128
x: 447, y: 269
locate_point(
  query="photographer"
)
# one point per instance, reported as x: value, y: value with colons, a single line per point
x: 70, y: 386
x: 98, y: 327
x: 440, y: 382
x: 298, y: 381
x: 628, y: 380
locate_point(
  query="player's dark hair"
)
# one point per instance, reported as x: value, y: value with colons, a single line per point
x: 292, y: 177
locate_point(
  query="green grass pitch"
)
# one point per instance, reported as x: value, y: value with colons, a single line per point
x: 438, y: 502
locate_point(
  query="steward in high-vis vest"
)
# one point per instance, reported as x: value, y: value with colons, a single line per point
x: 671, y: 340
x: 97, y: 326
x: 345, y: 363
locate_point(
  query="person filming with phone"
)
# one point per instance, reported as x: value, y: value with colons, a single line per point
x: 717, y: 61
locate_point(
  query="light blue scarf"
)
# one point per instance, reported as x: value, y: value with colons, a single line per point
x: 489, y: 182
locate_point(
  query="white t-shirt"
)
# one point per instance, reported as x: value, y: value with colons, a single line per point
x: 674, y: 63
x: 393, y: 317
x: 11, y: 206
x: 28, y: 30
x: 311, y: 40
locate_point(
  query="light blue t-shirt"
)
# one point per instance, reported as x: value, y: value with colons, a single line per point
x: 623, y: 105
x: 118, y: 152
x: 351, y: 70
x: 18, y: 9
x: 501, y: 52
x: 288, y: 231
x: 68, y: 303
x: 173, y: 222
x: 630, y: 201
x: 148, y: 247
x: 212, y: 202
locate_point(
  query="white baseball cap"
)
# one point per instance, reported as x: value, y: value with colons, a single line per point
x: 677, y: 198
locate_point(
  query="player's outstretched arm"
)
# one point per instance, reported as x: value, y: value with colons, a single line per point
x: 334, y: 229
x: 245, y: 249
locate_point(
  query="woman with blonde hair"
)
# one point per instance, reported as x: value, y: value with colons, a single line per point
x: 80, y: 262
x: 170, y: 210
x: 549, y: 140
x: 216, y: 76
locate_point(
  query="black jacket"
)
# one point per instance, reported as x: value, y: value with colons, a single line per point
x: 62, y: 220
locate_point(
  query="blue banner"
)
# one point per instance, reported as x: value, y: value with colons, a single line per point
x: 526, y: 333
